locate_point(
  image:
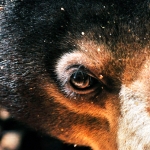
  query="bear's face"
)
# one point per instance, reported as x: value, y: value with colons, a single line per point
x: 79, y: 71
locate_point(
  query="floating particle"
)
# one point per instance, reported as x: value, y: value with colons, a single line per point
x: 82, y: 33
x: 100, y: 77
x: 1, y: 8
x: 146, y: 66
x: 11, y: 140
x: 1, y: 67
x: 102, y: 27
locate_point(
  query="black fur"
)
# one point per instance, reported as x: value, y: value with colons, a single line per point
x: 36, y: 33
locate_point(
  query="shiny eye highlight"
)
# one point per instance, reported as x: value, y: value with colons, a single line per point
x: 81, y: 80
x: 78, y: 80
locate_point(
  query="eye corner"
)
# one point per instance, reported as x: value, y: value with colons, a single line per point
x: 78, y: 80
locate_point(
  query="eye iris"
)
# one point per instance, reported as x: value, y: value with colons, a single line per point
x: 80, y: 80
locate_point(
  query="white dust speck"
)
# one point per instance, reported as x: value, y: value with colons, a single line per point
x: 100, y: 77
x: 11, y: 140
x: 62, y: 9
x: 146, y: 66
x: 4, y: 114
x: 1, y: 67
x: 82, y: 33
x: 1, y: 8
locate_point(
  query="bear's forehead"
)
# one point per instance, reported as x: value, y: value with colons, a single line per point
x: 122, y: 62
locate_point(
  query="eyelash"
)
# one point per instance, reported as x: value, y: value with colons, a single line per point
x: 71, y: 87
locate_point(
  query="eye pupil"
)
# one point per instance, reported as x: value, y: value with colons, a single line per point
x: 80, y: 80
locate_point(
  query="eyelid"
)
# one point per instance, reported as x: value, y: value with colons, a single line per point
x: 74, y: 66
x: 84, y: 69
x: 69, y: 90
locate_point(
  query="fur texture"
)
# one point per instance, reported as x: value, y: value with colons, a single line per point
x: 79, y: 70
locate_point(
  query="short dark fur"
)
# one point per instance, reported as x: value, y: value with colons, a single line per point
x: 36, y: 33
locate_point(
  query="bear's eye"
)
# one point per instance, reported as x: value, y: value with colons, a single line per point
x: 81, y: 80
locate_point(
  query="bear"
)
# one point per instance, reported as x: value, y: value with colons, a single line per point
x: 78, y: 70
